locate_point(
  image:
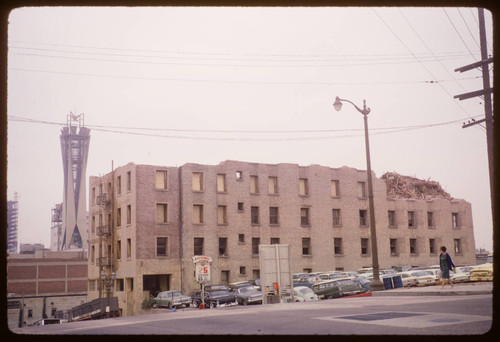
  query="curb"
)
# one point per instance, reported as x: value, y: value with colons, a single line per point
x: 431, y: 293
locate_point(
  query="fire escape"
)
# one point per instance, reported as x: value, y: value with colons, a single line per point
x: 105, y: 232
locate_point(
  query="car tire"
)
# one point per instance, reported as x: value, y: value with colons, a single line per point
x: 245, y: 302
x: 187, y: 305
x: 196, y: 304
x: 212, y: 305
x: 170, y: 306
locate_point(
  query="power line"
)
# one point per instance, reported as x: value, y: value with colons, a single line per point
x: 120, y: 130
x: 348, y: 56
x: 421, y: 63
x: 354, y: 62
x: 239, y: 82
x: 337, y: 58
x: 458, y: 33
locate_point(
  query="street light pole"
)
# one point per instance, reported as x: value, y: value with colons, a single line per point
x: 376, y: 284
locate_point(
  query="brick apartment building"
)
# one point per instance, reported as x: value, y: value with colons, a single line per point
x: 148, y: 221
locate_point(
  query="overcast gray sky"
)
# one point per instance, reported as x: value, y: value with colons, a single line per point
x: 249, y: 84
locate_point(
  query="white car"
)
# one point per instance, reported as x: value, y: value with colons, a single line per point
x: 458, y: 276
x: 423, y: 278
x: 407, y: 279
x: 304, y: 294
x: 435, y: 272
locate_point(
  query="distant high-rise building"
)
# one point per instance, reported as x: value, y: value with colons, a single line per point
x: 12, y: 208
x: 75, y: 140
x: 56, y: 233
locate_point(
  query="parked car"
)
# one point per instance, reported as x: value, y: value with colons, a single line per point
x: 304, y: 281
x: 304, y: 294
x: 363, y: 282
x: 331, y: 275
x: 214, y: 298
x: 238, y: 284
x: 255, y: 283
x: 423, y: 278
x: 216, y: 287
x: 407, y: 279
x: 459, y: 277
x: 435, y: 272
x: 336, y: 288
x: 247, y: 295
x: 483, y: 272
x: 172, y: 299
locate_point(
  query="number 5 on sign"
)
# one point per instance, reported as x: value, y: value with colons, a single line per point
x: 202, y: 268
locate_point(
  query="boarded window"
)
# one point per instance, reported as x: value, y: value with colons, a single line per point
x: 197, y: 181
x: 221, y: 183
x: 335, y: 188
x: 197, y: 213
x: 303, y: 187
x: 161, y: 179
x: 273, y: 185
x: 254, y: 185
x: 221, y: 214
x: 161, y: 213
x: 361, y: 189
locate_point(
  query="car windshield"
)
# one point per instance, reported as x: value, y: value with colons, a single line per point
x: 218, y: 293
x: 246, y: 289
x: 174, y: 294
x: 420, y: 274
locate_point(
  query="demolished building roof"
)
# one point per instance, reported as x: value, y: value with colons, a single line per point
x: 399, y: 186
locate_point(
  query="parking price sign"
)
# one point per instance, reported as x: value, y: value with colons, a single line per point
x: 202, y: 268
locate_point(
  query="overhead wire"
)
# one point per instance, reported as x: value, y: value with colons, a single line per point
x: 238, y: 82
x: 121, y: 130
x: 430, y: 50
x: 459, y: 35
x: 421, y: 63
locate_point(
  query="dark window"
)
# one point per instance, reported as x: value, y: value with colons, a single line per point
x: 198, y: 246
x: 306, y: 246
x: 255, y: 215
x: 222, y: 246
x: 304, y: 216
x: 255, y: 246
x: 161, y: 246
x: 362, y: 218
x: 273, y: 215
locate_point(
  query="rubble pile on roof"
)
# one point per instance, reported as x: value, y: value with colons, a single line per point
x: 400, y: 186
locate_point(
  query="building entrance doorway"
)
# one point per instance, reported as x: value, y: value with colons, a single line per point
x: 155, y: 283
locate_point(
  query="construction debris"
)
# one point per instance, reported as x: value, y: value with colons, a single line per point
x: 399, y: 186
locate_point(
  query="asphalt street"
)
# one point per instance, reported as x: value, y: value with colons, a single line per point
x: 424, y: 314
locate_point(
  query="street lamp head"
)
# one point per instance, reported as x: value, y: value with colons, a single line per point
x: 337, y: 104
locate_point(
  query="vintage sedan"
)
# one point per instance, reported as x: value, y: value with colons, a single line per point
x: 304, y: 294
x: 423, y: 278
x: 247, y: 295
x: 336, y: 288
x: 172, y: 299
x: 407, y: 279
x: 483, y: 272
x: 214, y: 298
x: 363, y: 282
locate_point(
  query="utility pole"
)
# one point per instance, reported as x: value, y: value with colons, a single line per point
x: 486, y: 92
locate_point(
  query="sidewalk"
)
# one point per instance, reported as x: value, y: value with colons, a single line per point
x: 436, y: 290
